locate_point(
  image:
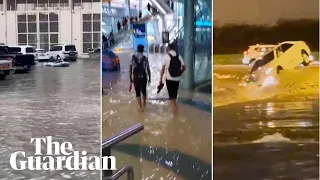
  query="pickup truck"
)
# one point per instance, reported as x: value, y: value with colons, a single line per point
x: 6, y: 67
x: 24, y: 62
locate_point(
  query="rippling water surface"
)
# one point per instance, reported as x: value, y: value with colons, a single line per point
x: 59, y: 102
x: 267, y: 139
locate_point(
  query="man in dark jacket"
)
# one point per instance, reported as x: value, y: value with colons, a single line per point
x: 119, y: 26
x: 140, y: 75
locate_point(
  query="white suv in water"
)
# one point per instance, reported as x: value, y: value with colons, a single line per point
x: 255, y: 51
x: 64, y: 52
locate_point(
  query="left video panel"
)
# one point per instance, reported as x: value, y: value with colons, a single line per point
x: 49, y: 89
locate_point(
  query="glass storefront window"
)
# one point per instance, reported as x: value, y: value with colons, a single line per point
x: 203, y: 43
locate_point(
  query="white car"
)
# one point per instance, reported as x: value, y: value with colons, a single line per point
x: 255, y: 51
x: 25, y: 50
x: 64, y: 52
x: 286, y: 55
x: 43, y: 55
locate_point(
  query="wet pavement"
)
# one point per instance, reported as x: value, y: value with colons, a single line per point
x: 267, y: 139
x: 50, y: 101
x: 166, y: 148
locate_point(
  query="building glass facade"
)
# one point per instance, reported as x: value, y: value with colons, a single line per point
x: 202, y: 40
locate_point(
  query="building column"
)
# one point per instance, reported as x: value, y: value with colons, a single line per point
x: 71, y: 14
x: 127, y: 7
x: 5, y: 19
x: 140, y: 5
x: 4, y: 5
x: 189, y: 42
x: 71, y: 4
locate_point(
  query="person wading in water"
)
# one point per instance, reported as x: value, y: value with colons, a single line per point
x: 140, y: 75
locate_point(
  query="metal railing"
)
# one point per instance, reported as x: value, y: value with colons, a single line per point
x: 114, y: 140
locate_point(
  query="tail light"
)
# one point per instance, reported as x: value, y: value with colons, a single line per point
x: 245, y: 52
x: 10, y: 59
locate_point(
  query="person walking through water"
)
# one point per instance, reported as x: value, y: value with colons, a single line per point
x: 119, y: 26
x: 140, y: 75
x: 149, y: 7
x: 172, y: 67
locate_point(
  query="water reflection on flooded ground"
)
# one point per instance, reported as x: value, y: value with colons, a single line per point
x: 166, y: 148
x: 275, y: 138
x: 59, y: 102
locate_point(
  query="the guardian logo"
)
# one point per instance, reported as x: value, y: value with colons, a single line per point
x: 63, y: 157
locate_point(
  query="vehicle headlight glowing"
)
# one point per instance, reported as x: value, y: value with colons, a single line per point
x: 268, y: 81
x: 311, y: 58
x: 268, y: 71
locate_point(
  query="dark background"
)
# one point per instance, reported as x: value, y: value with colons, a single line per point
x: 235, y: 38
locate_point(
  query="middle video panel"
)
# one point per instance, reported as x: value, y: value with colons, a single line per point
x: 156, y: 81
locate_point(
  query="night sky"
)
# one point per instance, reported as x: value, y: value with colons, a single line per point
x: 263, y: 11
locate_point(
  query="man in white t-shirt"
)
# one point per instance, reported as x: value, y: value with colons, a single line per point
x: 173, y: 67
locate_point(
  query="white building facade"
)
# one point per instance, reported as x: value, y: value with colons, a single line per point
x: 44, y: 23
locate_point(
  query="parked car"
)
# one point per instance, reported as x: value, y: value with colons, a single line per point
x: 286, y: 55
x: 110, y: 61
x: 6, y: 67
x: 255, y: 51
x: 64, y: 52
x: 25, y: 50
x: 43, y: 55
x: 21, y: 61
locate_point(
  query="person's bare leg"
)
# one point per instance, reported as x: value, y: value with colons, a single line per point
x: 144, y: 101
x: 139, y: 104
x: 174, y: 110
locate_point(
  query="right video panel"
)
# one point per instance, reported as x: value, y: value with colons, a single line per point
x: 265, y: 89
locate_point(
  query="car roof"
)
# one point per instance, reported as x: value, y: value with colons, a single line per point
x: 64, y: 45
x: 24, y: 46
x: 263, y: 45
x: 291, y: 42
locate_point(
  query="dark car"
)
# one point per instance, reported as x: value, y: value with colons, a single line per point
x: 110, y: 61
x: 24, y: 62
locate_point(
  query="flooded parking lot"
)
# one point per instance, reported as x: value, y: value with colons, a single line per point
x: 50, y: 101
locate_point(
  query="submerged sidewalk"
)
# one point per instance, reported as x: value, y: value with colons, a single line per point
x: 166, y: 148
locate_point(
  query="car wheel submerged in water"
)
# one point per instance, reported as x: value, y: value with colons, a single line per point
x: 305, y: 58
x: 279, y: 69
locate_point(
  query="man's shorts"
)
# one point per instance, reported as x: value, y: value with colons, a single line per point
x: 172, y: 87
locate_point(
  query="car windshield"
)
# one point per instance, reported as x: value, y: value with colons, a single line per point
x: 263, y: 49
x: 14, y: 49
x: 70, y: 48
x: 30, y: 50
x: 263, y: 61
x: 109, y: 53
x: 3, y: 50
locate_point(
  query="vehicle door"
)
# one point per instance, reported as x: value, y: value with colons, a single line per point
x: 70, y: 50
x: 59, y: 51
x: 32, y: 51
x: 41, y: 52
x: 286, y: 58
x: 54, y: 51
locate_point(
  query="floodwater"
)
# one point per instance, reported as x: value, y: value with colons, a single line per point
x: 50, y: 101
x: 175, y: 149
x: 268, y: 138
